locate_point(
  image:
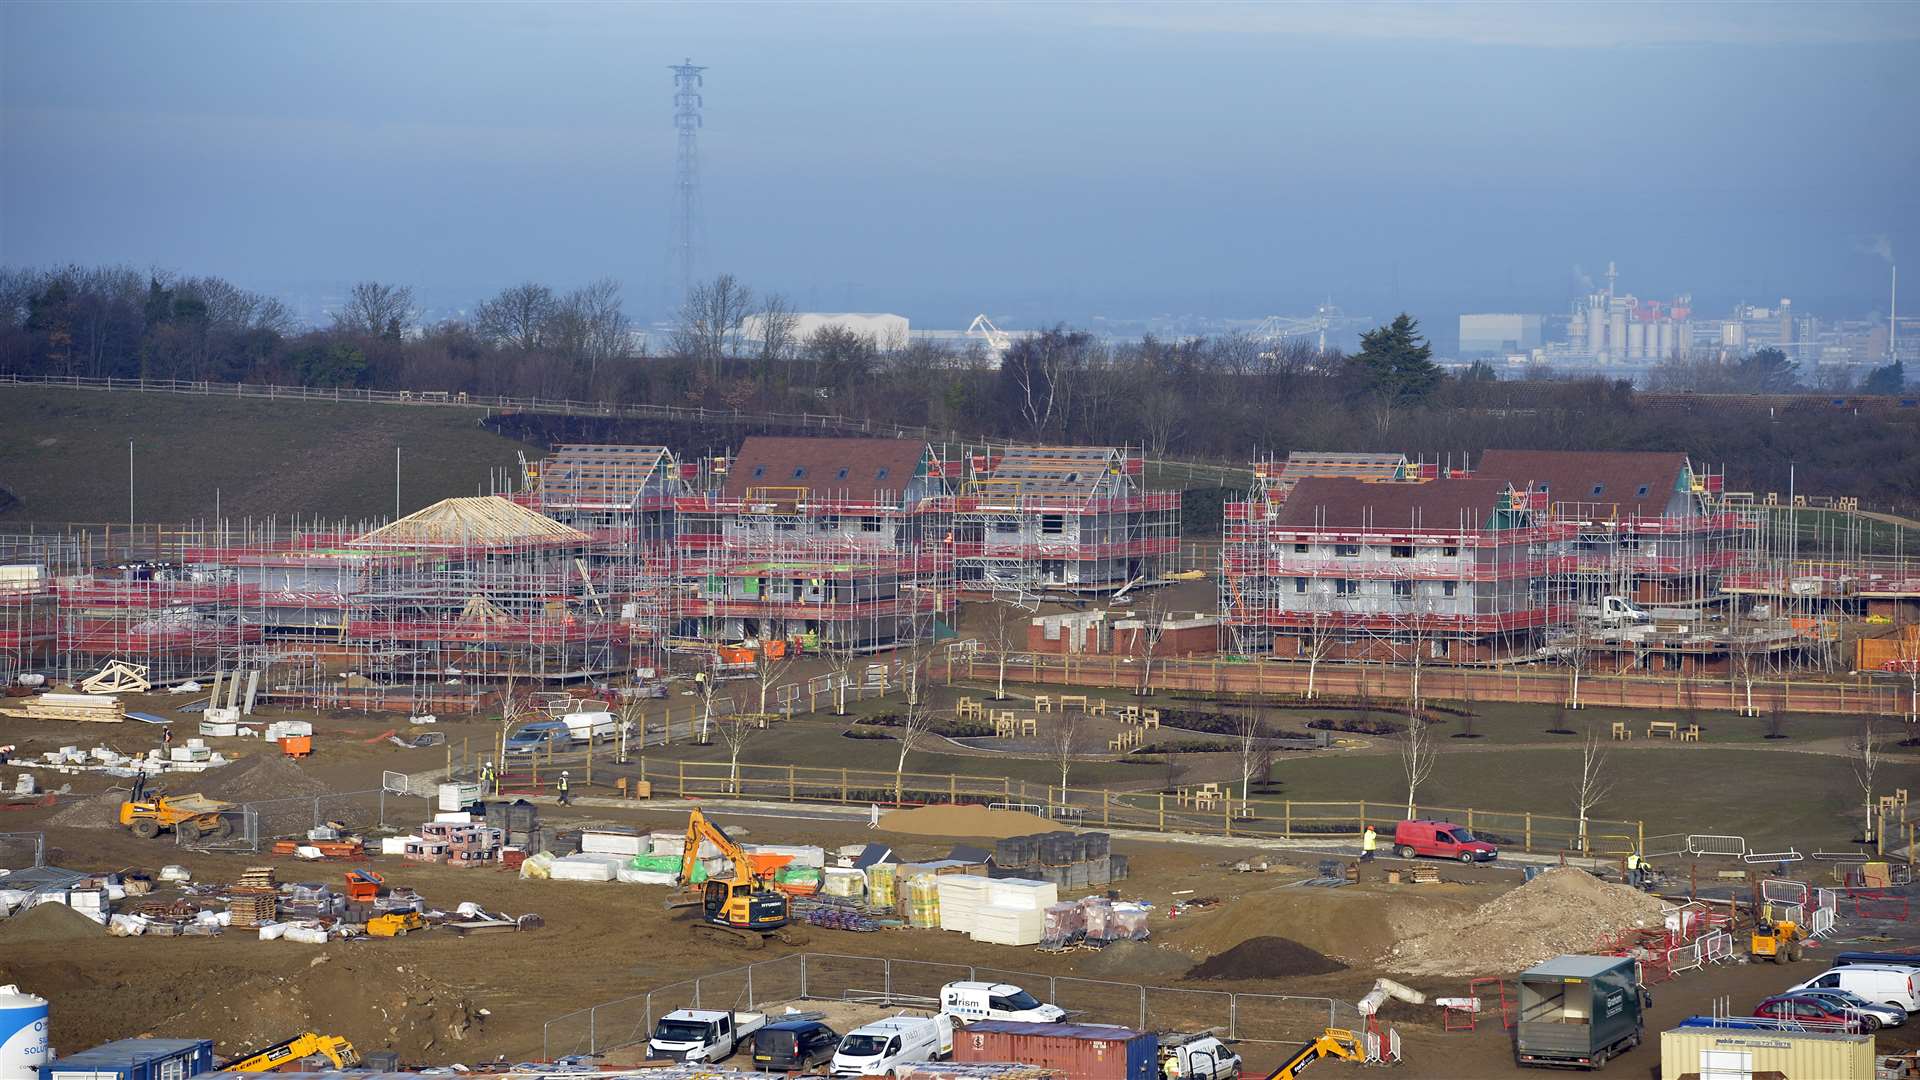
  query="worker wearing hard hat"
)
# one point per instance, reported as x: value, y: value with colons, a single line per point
x: 565, y: 786
x: 487, y: 777
x: 1369, y: 840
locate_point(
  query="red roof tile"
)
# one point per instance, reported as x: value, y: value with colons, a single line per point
x: 1634, y: 482
x: 856, y: 469
x: 1438, y: 505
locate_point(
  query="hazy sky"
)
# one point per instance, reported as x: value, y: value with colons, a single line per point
x: 1039, y: 162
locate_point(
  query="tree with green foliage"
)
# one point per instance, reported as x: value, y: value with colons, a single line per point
x: 1768, y: 371
x: 1397, y: 361
x: 330, y: 364
x: 1888, y: 380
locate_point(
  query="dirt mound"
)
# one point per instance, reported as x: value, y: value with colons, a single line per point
x: 1265, y: 958
x: 370, y: 999
x: 968, y: 821
x: 251, y: 779
x: 48, y: 922
x: 100, y: 811
x: 1561, y: 911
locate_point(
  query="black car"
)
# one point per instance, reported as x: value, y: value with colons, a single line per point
x: 794, y: 1046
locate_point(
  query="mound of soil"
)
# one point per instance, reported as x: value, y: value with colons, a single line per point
x: 253, y: 779
x: 1264, y: 958
x: 966, y: 821
x: 1562, y: 911
x: 100, y: 811
x: 48, y: 923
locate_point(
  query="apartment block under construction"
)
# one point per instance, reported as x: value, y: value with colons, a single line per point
x: 1068, y: 519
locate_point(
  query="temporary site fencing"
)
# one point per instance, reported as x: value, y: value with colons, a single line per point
x: 22, y: 850
x: 257, y: 824
x: 813, y: 976
x: 1214, y: 815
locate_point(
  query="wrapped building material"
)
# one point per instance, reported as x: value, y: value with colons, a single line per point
x: 613, y: 843
x: 844, y: 882
x: 586, y: 867
x: 923, y: 901
x: 882, y: 885
x: 1064, y: 925
x: 961, y: 897
x: 998, y: 925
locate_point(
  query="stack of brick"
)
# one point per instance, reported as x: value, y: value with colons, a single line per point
x: 474, y: 845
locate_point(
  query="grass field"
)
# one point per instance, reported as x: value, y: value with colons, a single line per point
x: 1803, y: 799
x: 63, y: 453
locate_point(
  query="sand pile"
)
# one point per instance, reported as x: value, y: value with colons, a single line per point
x: 1561, y: 911
x: 48, y: 923
x: 252, y: 779
x: 964, y: 821
x: 1265, y: 958
x: 100, y: 811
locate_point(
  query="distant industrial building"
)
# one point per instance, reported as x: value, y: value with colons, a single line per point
x: 887, y: 331
x: 1498, y: 335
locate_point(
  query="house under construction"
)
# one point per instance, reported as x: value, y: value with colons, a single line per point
x: 835, y: 542
x: 1447, y: 569
x: 1060, y: 518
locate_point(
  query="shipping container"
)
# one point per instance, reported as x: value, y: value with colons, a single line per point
x: 1075, y: 1051
x: 135, y: 1059
x: 1713, y: 1051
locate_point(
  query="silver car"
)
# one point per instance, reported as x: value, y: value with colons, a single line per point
x: 1888, y: 1014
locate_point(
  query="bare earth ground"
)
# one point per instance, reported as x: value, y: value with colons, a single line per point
x: 435, y: 997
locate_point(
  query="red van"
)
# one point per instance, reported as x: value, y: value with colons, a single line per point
x: 1441, y: 839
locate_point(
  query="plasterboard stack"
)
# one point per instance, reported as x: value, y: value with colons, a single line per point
x: 961, y: 898
x: 1016, y: 911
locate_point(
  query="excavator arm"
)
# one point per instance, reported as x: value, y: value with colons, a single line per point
x: 745, y: 867
x: 1332, y: 1043
x: 273, y: 1058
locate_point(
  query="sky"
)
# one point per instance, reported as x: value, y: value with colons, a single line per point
x: 1039, y: 162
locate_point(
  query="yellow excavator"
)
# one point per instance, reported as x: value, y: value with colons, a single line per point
x: 743, y: 906
x: 286, y: 1056
x: 1332, y: 1043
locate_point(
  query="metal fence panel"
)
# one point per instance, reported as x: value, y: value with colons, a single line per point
x: 1281, y: 1018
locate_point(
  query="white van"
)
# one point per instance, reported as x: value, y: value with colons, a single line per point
x: 1894, y: 985
x: 970, y: 1001
x: 875, y: 1049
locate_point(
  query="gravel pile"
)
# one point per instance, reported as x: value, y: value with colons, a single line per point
x: 1561, y: 911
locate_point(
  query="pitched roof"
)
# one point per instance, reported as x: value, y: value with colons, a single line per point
x: 474, y: 521
x: 856, y: 469
x: 598, y: 474
x: 1073, y: 471
x: 1636, y: 482
x: 1321, y: 502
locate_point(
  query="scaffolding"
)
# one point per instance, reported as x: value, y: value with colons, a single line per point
x: 1029, y: 520
x: 1415, y: 569
x: 777, y: 544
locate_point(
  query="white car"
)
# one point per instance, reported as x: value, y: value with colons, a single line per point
x: 970, y: 1001
x: 1897, y: 986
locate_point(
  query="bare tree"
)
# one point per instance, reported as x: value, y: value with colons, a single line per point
x: 1319, y: 638
x: 915, y: 722
x: 1866, y: 761
x: 710, y: 321
x: 519, y: 316
x: 589, y: 327
x: 376, y: 310
x: 769, y: 672
x: 1153, y: 625
x: 1006, y: 622
x: 1255, y: 743
x: 1417, y: 752
x: 779, y: 331
x: 736, y: 729
x: 1595, y: 782
x: 1063, y: 740
x: 1578, y: 652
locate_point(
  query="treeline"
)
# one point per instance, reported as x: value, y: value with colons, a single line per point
x: 1228, y: 398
